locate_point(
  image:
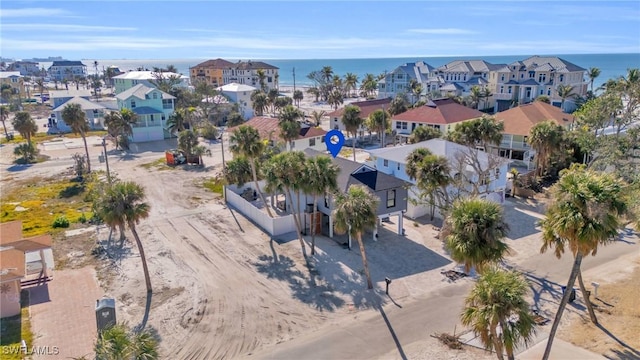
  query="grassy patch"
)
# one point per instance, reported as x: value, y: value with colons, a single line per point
x: 14, y: 329
x: 38, y: 202
x: 346, y: 152
x: 160, y: 164
x: 42, y: 137
x: 214, y: 184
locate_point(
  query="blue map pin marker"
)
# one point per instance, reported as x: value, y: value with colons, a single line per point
x: 334, y: 140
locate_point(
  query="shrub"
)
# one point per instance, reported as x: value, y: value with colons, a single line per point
x: 209, y: 132
x: 60, y: 222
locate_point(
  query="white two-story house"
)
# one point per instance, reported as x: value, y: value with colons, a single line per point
x: 246, y: 72
x: 240, y: 94
x: 393, y: 161
x: 61, y: 70
x: 130, y: 79
x: 153, y: 108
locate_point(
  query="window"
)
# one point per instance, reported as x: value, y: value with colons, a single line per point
x: 385, y: 163
x: 391, y: 198
x: 155, y: 95
x: 509, y: 89
x: 561, y: 78
x: 404, y: 125
x: 501, y: 89
x: 133, y: 104
x: 312, y: 142
x: 398, y: 167
x: 542, y: 78
x: 502, y: 77
x: 151, y: 117
x: 497, y: 173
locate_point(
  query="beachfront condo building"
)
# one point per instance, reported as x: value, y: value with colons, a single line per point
x: 501, y: 86
x: 210, y: 72
x: 254, y: 73
x: 26, y: 68
x: 69, y: 70
x: 126, y: 81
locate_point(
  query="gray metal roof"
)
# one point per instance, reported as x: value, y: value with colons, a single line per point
x: 140, y: 91
x: 84, y: 104
x: 553, y: 61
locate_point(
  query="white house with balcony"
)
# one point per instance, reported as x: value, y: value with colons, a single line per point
x: 492, y: 180
x: 61, y: 70
x: 130, y: 79
x: 94, y: 114
x: 246, y: 72
x: 152, y: 107
x: 239, y: 94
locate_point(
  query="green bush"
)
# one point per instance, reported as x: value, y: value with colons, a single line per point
x: 60, y: 222
x: 209, y: 132
x: 83, y: 218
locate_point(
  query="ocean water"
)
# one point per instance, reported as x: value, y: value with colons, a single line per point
x: 611, y: 65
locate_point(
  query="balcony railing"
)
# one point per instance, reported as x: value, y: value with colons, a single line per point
x: 503, y: 96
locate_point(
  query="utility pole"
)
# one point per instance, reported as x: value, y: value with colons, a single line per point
x: 294, y: 80
x: 222, y: 144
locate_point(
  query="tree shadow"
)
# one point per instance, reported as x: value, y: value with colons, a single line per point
x: 233, y: 214
x: 540, y: 286
x: 393, y: 333
x: 19, y: 167
x: 622, y: 355
x: 629, y: 351
x: 145, y: 317
x: 72, y: 190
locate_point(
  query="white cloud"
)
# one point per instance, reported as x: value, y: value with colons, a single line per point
x: 64, y: 27
x: 32, y: 12
x: 442, y: 31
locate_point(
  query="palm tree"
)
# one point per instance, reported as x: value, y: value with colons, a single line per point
x: 245, y: 141
x: 593, y: 73
x: 289, y: 132
x: 486, y: 94
x: 120, y: 125
x: 352, y: 123
x: 24, y: 124
x: 289, y: 113
x: 259, y: 102
x: 350, y: 82
x: 424, y: 133
x: 317, y: 116
x: 75, y: 118
x: 565, y: 92
x: 123, y: 204
x: 475, y: 95
x: 261, y: 79
x: 238, y: 171
x: 320, y: 178
x: 327, y: 73
x: 473, y: 233
x: 234, y: 119
x: 335, y: 98
x: 355, y: 212
x: 118, y: 343
x: 431, y: 173
x: 585, y: 212
x: 399, y: 104
x: 40, y: 83
x: 298, y: 95
x: 378, y: 121
x: 546, y: 139
x: 272, y: 95
x: 497, y: 297
x: 286, y: 172
x: 176, y: 122
x: 4, y: 115
x: 482, y: 132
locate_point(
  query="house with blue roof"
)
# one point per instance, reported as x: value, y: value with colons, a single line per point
x: 153, y: 108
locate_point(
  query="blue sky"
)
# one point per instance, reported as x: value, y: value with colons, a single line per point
x: 314, y: 30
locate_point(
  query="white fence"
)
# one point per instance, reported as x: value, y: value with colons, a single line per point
x: 278, y: 225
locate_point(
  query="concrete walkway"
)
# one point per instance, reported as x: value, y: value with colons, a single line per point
x: 561, y: 350
x: 63, y: 313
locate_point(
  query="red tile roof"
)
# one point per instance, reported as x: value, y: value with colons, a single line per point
x: 442, y: 111
x: 10, y: 232
x: 366, y: 107
x: 216, y: 64
x: 269, y: 129
x: 520, y: 119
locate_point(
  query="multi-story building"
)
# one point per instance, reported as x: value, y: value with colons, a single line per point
x: 241, y: 95
x: 460, y: 76
x: 247, y: 72
x: 210, y: 72
x: 536, y: 76
x: 15, y: 80
x: 61, y: 70
x: 153, y: 108
x: 130, y: 79
x: 26, y: 68
x: 399, y: 81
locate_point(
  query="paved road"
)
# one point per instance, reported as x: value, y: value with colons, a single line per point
x: 392, y: 328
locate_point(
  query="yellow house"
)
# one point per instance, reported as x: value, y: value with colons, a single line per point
x: 15, y: 80
x: 209, y: 71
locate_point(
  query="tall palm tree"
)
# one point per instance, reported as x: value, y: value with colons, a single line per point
x: 272, y: 95
x: 352, y: 122
x: 473, y: 233
x: 483, y: 132
x: 24, y: 124
x: 585, y: 212
x: 368, y: 85
x: 261, y: 79
x: 245, y: 141
x: 399, y: 104
x: 486, y: 95
x: 355, y: 212
x: 177, y: 122
x: 327, y: 73
x: 379, y: 122
x: 289, y: 132
x: 546, y: 138
x: 259, y: 102
x: 350, y: 82
x: 335, y: 98
x: 298, y: 96
x: 120, y: 125
x: 431, y: 173
x: 593, y: 73
x: 4, y: 115
x: 286, y: 172
x: 238, y: 171
x: 118, y: 343
x: 123, y: 204
x: 497, y: 297
x: 475, y: 95
x: 75, y: 118
x: 321, y: 177
x: 565, y: 92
